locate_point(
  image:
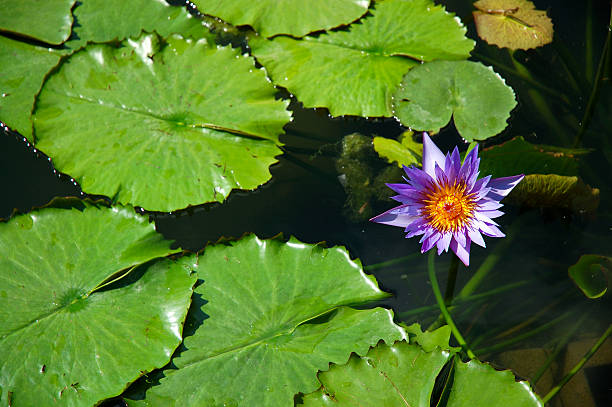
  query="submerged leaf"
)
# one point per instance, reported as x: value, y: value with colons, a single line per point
x: 360, y: 68
x: 404, y: 152
x: 48, y: 21
x: 590, y: 274
x: 555, y: 191
x: 405, y: 374
x: 22, y: 72
x: 518, y: 156
x: 478, y: 99
x: 132, y: 124
x: 514, y: 24
x: 267, y: 318
x: 63, y: 336
x: 296, y: 18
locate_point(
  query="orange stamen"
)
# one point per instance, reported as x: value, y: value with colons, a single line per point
x: 448, y: 207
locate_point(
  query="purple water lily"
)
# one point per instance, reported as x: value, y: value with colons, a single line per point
x: 447, y: 203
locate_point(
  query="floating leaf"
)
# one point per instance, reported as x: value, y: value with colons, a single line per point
x: 22, y: 72
x: 514, y: 24
x: 111, y: 20
x: 161, y: 125
x: 478, y: 99
x: 590, y: 274
x: 404, y: 152
x: 48, y: 21
x: 271, y: 315
x: 555, y: 191
x: 296, y: 18
x: 360, y: 68
x: 60, y: 334
x: 430, y: 340
x: 518, y: 156
x: 404, y: 375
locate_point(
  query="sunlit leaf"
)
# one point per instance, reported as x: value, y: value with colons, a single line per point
x: 478, y: 99
x: 48, y: 21
x: 111, y: 20
x: 360, y: 68
x: 404, y: 152
x: 293, y: 17
x: 63, y: 341
x: 404, y: 375
x: 590, y: 274
x: 430, y: 340
x: 514, y: 24
x: 161, y: 125
x: 22, y: 72
x: 555, y: 191
x: 518, y: 156
x: 267, y: 318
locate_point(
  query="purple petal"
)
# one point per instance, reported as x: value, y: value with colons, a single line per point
x: 476, y: 237
x: 463, y: 252
x: 418, y: 178
x: 482, y: 217
x: 430, y: 242
x: 401, y: 188
x: 459, y: 236
x: 452, y: 164
x: 393, y: 218
x: 431, y: 156
x: 492, y: 214
x: 440, y: 175
x: 490, y: 230
x: 444, y: 242
x: 480, y: 185
x: 486, y: 205
x: 500, y: 187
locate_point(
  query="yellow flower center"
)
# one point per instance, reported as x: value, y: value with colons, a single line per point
x: 448, y: 207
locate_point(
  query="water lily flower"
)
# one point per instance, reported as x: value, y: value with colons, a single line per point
x: 446, y: 203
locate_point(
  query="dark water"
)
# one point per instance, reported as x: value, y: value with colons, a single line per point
x: 305, y: 199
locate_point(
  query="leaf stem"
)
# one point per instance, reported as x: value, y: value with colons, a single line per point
x: 449, y: 320
x: 553, y: 392
x: 451, y: 281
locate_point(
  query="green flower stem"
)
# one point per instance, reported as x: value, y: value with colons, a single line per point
x: 436, y: 290
x: 553, y: 392
x: 558, y: 348
x: 451, y: 281
x: 597, y: 81
x: 505, y: 344
x: 471, y: 298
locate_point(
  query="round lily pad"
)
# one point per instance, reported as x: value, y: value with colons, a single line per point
x: 49, y: 21
x: 478, y: 99
x: 62, y: 334
x: 268, y: 317
x: 359, y: 69
x: 293, y: 17
x: 161, y: 124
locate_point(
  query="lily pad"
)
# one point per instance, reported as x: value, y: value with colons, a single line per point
x: 518, y: 156
x: 478, y: 99
x: 404, y: 152
x: 161, y: 125
x: 360, y: 68
x: 404, y: 375
x: 590, y: 274
x: 514, y: 24
x: 49, y: 21
x: 267, y: 318
x: 22, y: 72
x: 63, y: 335
x: 556, y: 191
x: 292, y: 17
x: 116, y: 20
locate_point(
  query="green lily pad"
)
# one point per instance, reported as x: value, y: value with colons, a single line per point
x: 48, y: 21
x: 267, y: 318
x: 518, y: 156
x: 22, y: 73
x: 404, y: 375
x: 404, y: 152
x: 296, y: 18
x: 514, y: 24
x: 590, y: 274
x: 161, y: 125
x: 64, y: 336
x: 555, y: 191
x: 478, y: 99
x: 116, y: 20
x: 360, y: 68
x: 430, y: 340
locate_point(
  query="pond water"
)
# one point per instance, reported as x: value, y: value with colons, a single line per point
x: 536, y: 309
